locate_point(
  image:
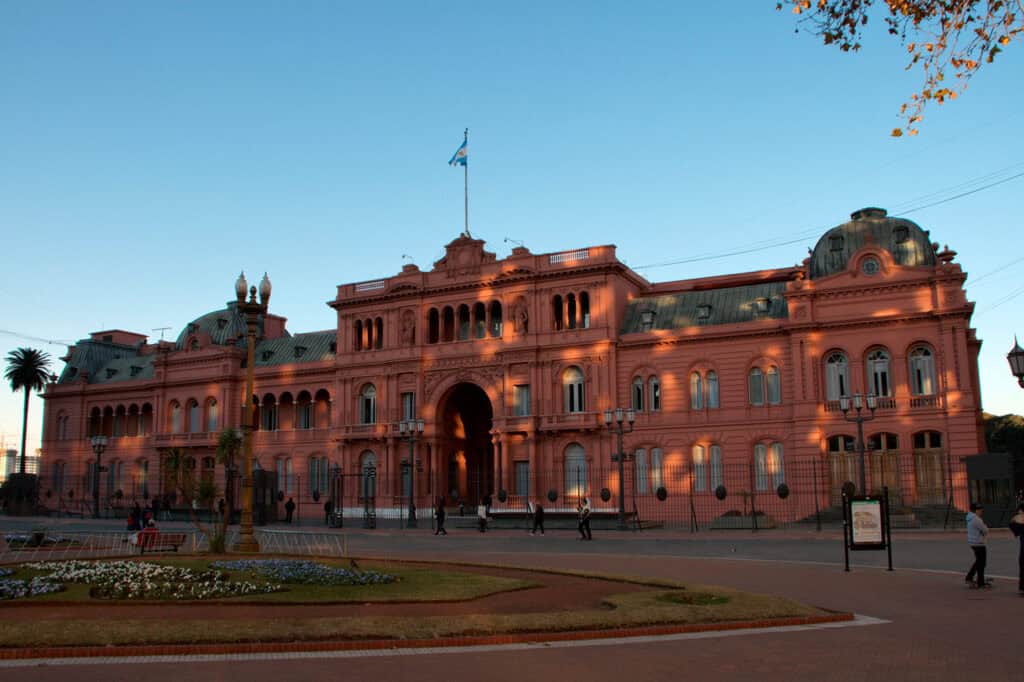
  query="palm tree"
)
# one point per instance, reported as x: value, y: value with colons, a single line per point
x: 28, y: 370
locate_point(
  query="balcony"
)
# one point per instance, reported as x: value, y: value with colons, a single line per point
x: 371, y: 431
x: 919, y: 401
x: 185, y: 440
x: 289, y: 436
x: 577, y: 421
x: 884, y: 403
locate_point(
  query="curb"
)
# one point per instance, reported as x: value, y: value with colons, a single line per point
x: 380, y: 644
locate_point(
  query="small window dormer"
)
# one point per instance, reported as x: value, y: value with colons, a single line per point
x: 135, y: 369
x: 835, y: 242
x: 762, y: 305
x: 222, y: 322
x: 111, y: 372
x: 300, y: 351
x: 703, y: 313
x: 267, y: 354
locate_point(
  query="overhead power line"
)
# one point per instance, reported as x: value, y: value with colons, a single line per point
x: 29, y: 337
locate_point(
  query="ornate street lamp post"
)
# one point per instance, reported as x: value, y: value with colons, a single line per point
x: 858, y: 402
x: 99, y: 444
x: 613, y: 420
x: 411, y: 430
x: 252, y: 310
x: 1016, y: 359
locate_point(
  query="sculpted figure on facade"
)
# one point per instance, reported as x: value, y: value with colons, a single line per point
x: 520, y: 316
x: 408, y: 328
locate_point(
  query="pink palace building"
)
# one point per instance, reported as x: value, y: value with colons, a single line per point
x: 736, y: 383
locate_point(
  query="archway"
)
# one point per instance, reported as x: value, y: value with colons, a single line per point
x: 467, y: 454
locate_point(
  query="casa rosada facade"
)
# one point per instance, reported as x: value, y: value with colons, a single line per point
x: 735, y: 382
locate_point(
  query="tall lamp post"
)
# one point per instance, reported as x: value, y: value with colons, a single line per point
x: 411, y: 430
x: 99, y: 444
x: 252, y: 310
x: 1016, y: 359
x: 613, y: 419
x: 858, y: 403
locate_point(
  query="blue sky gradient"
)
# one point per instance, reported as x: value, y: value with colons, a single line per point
x: 151, y: 151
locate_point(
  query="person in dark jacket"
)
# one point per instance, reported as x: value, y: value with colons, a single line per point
x: 440, y: 514
x: 328, y: 506
x: 584, y: 520
x: 1017, y: 528
x: 289, y: 509
x: 538, y: 519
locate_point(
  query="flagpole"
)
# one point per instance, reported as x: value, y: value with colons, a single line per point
x: 465, y: 168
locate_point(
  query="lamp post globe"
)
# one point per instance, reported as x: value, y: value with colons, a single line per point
x: 1016, y: 359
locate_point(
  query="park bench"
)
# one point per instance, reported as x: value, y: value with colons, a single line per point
x: 157, y: 542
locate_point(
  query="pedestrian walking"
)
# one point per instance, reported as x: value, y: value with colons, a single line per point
x: 1017, y: 528
x: 156, y: 507
x: 327, y: 512
x: 222, y: 508
x: 538, y: 519
x: 441, y: 515
x: 481, y: 516
x: 289, y: 509
x: 584, y: 520
x: 977, y: 535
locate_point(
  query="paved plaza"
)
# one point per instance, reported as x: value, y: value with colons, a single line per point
x: 916, y: 623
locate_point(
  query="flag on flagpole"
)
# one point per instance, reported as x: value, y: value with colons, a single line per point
x: 460, y: 156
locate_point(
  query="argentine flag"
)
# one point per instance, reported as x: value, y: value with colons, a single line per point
x: 460, y: 156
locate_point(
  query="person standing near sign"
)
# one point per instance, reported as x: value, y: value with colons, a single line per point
x: 1017, y: 528
x: 977, y: 535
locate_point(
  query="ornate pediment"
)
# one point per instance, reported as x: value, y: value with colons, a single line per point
x: 464, y: 256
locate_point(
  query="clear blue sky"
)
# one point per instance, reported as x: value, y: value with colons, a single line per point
x: 150, y: 151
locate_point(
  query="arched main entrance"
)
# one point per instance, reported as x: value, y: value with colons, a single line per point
x: 467, y: 454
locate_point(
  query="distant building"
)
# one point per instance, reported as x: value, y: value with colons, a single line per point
x: 736, y: 382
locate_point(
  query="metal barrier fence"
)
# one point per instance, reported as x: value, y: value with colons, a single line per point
x: 926, y: 489
x: 333, y: 544
x: 41, y: 545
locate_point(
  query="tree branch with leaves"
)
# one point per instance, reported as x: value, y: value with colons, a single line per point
x: 949, y: 40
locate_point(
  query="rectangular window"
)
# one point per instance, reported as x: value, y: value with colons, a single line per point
x: 305, y: 415
x: 522, y: 470
x: 755, y: 387
x: 642, y: 482
x: 408, y: 405
x: 521, y: 400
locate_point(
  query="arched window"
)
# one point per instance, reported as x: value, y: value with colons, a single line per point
x: 211, y: 415
x: 175, y: 417
x: 570, y: 310
x: 367, y: 475
x: 433, y: 326
x: 448, y: 331
x: 286, y: 411
x: 700, y: 469
x: 304, y: 411
x: 140, y: 479
x: 318, y: 475
x: 773, y: 385
x: 192, y: 415
x: 357, y: 331
x: 463, y: 322
x: 268, y: 413
x: 378, y: 333
x: 655, y: 387
x: 368, y: 331
x: 575, y: 471
x: 927, y: 440
x: 572, y: 383
x: 133, y: 420
x: 716, y: 467
x: 368, y: 405
x: 878, y: 372
x: 59, y: 469
x: 638, y: 394
x: 769, y: 470
x: 115, y: 471
x: 119, y: 419
x: 107, y: 427
x: 922, y: 371
x: 496, y: 320
x: 696, y: 391
x: 557, y: 313
x: 711, y: 379
x: 883, y: 442
x: 841, y: 443
x: 479, y: 320
x: 755, y: 386
x: 95, y: 422
x: 837, y: 376
x: 146, y: 419
x: 657, y: 477
x: 322, y: 409
x: 585, y: 310
x: 640, y: 462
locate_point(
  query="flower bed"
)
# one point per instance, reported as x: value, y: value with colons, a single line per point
x: 144, y: 580
x: 19, y: 589
x: 298, y: 571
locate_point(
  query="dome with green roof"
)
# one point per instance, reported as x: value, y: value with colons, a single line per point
x: 904, y: 239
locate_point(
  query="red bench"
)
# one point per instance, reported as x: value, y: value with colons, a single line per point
x: 160, y: 542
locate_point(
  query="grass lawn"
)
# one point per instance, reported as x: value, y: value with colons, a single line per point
x: 662, y: 604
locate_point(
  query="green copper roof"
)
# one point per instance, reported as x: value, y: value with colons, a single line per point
x: 309, y: 347
x: 710, y: 307
x: 226, y: 327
